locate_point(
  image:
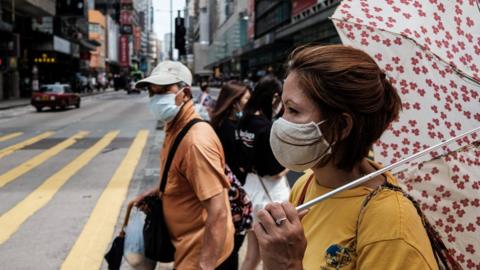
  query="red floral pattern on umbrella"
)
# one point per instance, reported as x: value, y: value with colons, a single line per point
x: 430, y: 50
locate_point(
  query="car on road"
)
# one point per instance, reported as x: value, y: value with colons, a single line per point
x: 55, y: 96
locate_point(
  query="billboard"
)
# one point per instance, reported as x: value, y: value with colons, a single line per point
x: 300, y: 5
x: 251, y: 19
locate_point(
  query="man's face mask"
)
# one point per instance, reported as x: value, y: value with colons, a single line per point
x: 163, y: 106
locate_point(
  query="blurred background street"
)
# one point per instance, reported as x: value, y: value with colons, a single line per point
x: 77, y: 140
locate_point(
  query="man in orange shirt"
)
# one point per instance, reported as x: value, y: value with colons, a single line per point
x: 195, y: 201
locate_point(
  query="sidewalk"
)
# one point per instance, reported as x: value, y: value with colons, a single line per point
x: 21, y: 102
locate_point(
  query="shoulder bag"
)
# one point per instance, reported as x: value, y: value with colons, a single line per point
x: 158, y: 244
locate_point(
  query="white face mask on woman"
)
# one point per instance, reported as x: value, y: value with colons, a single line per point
x: 163, y: 107
x: 298, y: 146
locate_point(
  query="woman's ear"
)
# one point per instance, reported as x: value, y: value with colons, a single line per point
x: 347, y: 118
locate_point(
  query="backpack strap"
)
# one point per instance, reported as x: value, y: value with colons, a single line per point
x: 442, y: 255
x: 173, y: 149
x: 301, y: 200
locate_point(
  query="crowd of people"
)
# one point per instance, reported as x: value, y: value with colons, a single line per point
x: 322, y: 120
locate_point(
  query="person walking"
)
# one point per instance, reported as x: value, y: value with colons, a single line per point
x: 195, y: 202
x: 231, y: 101
x: 337, y: 104
x: 266, y: 179
x: 228, y: 111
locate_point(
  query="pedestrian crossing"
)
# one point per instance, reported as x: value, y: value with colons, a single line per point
x: 9, y: 150
x: 94, y: 239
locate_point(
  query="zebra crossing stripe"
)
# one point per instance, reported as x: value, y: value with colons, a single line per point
x: 39, y: 159
x: 10, y: 136
x: 11, y: 221
x: 7, y: 151
x: 91, y: 245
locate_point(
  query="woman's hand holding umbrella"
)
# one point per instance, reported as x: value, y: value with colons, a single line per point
x: 280, y: 236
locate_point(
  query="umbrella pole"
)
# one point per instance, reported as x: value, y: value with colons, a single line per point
x: 367, y: 177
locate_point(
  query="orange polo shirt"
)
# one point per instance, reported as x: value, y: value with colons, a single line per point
x: 196, y: 174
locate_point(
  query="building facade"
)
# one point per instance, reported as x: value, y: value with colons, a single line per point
x: 16, y: 44
x: 249, y: 39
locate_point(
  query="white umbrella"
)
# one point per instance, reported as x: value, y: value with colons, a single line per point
x: 430, y: 50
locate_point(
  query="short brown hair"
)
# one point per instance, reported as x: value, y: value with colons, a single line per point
x: 342, y: 79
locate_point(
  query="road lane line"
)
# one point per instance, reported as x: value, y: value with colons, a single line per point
x: 11, y: 221
x: 39, y: 159
x: 91, y: 245
x: 10, y: 136
x: 7, y: 151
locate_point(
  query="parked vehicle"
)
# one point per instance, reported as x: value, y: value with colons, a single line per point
x: 55, y: 96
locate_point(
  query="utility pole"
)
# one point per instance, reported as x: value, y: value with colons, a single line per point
x: 171, y: 31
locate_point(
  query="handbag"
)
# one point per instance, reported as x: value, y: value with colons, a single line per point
x: 158, y: 244
x: 240, y: 204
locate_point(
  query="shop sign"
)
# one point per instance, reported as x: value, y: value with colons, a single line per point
x: 45, y: 59
x: 126, y: 29
x: 124, y: 51
x: 61, y: 45
x: 300, y: 5
x: 126, y: 17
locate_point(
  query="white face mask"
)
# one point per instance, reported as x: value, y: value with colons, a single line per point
x: 298, y: 146
x: 163, y: 107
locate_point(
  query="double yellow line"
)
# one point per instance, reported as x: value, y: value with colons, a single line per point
x: 92, y: 243
x: 15, y: 217
x: 7, y: 151
x: 39, y: 159
x: 10, y: 136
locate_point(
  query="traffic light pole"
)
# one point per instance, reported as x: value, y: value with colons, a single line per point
x: 171, y: 31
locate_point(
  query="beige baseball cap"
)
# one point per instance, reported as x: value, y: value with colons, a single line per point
x: 165, y: 73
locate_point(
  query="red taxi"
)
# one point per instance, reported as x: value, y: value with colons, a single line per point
x: 55, y: 96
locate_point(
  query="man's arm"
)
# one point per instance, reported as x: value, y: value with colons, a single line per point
x: 215, y: 230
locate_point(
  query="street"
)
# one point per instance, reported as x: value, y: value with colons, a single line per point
x: 64, y: 176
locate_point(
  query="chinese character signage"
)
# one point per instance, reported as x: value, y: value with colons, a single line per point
x: 124, y: 50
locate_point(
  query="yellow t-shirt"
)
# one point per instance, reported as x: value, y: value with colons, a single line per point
x: 390, y: 233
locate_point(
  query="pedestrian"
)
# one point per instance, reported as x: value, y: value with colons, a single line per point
x: 265, y: 181
x: 228, y: 111
x: 195, y: 202
x: 337, y: 104
x: 231, y: 100
x: 205, y: 102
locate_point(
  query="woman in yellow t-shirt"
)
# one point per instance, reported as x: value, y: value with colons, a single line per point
x: 337, y: 104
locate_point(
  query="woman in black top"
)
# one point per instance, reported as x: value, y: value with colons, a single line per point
x: 228, y: 110
x: 231, y: 100
x: 265, y: 181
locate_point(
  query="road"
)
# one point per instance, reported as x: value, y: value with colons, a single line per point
x: 66, y: 176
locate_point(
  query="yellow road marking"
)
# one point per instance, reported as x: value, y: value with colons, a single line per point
x: 11, y: 221
x: 7, y: 151
x: 88, y: 251
x: 10, y: 136
x: 39, y: 159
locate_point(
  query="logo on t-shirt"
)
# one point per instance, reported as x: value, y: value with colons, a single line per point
x: 337, y: 256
